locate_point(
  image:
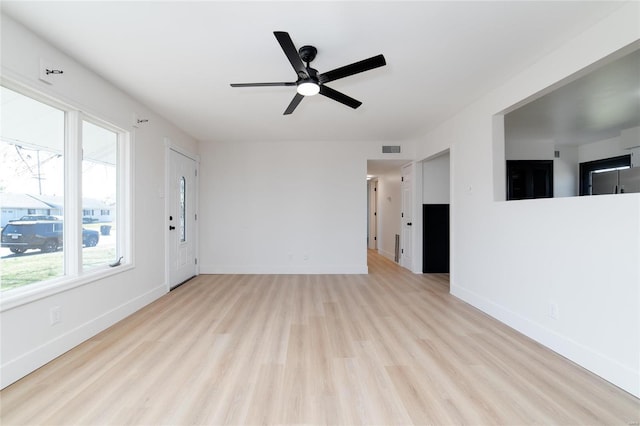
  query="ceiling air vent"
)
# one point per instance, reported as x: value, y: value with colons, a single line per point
x: 391, y: 149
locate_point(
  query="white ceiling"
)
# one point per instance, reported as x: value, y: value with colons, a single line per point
x: 594, y: 107
x: 178, y: 58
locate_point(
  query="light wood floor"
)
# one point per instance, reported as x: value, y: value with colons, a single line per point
x: 386, y: 348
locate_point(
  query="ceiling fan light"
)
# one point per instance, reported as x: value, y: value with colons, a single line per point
x: 308, y: 88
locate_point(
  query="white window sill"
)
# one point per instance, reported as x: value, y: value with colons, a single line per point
x: 12, y: 299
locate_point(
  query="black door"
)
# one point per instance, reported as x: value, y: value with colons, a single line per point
x: 435, y: 242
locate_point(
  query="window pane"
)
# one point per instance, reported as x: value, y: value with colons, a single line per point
x: 183, y: 209
x: 31, y: 190
x: 99, y: 195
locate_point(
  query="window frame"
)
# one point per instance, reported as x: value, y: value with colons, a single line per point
x: 590, y: 166
x: 74, y: 276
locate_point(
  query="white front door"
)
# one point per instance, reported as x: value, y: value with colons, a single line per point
x: 182, y: 218
x: 406, y: 217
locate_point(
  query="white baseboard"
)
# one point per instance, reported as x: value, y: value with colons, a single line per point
x: 284, y: 269
x: 17, y: 368
x: 389, y: 255
x: 609, y: 369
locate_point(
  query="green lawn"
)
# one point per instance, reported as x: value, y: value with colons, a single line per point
x: 34, y: 266
x: 29, y: 268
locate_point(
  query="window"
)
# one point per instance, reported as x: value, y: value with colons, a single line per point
x: 587, y: 169
x: 32, y: 175
x: 183, y: 209
x: 60, y: 167
x: 99, y: 150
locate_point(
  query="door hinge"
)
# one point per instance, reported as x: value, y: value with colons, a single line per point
x: 196, y: 172
x: 402, y: 179
x: 375, y: 213
x: 375, y: 189
x: 196, y: 216
x: 196, y: 259
x: 375, y: 238
x: 402, y: 214
x: 402, y: 251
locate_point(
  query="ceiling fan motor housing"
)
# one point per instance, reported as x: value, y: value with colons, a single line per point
x: 307, y: 53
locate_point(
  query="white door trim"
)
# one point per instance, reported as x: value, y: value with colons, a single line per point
x: 373, y: 214
x: 169, y: 146
x: 414, y: 170
x: 406, y: 216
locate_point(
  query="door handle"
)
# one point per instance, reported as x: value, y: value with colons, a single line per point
x: 408, y: 223
x: 171, y: 228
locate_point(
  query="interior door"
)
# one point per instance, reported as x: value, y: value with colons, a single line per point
x: 406, y: 217
x: 182, y: 218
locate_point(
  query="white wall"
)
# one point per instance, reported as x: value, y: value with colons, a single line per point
x: 541, y: 149
x: 607, y: 148
x: 28, y: 341
x: 566, y: 172
x: 513, y: 259
x: 435, y: 180
x: 389, y: 209
x: 285, y: 207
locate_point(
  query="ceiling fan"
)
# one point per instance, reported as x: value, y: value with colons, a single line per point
x: 311, y: 83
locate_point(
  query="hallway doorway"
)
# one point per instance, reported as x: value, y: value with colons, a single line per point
x: 384, y: 208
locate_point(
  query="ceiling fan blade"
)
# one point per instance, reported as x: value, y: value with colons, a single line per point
x: 292, y: 53
x: 340, y: 97
x: 355, y: 68
x: 262, y: 84
x: 294, y: 103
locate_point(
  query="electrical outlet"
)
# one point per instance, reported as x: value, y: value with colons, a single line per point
x: 553, y: 310
x: 54, y: 315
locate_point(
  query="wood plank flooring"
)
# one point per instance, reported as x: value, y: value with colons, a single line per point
x: 388, y: 348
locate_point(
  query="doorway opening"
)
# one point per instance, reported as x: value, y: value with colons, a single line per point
x: 436, y: 202
x: 384, y: 206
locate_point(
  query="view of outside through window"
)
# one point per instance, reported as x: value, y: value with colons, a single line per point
x: 183, y: 210
x: 99, y: 147
x: 32, y: 198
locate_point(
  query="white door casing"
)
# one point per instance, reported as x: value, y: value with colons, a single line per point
x: 406, y: 217
x: 181, y: 218
x: 373, y: 214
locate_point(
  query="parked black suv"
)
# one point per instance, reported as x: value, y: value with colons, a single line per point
x: 36, y: 217
x: 46, y: 235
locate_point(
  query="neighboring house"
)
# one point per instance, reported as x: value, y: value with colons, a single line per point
x: 92, y: 210
x: 14, y: 206
x: 96, y: 210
